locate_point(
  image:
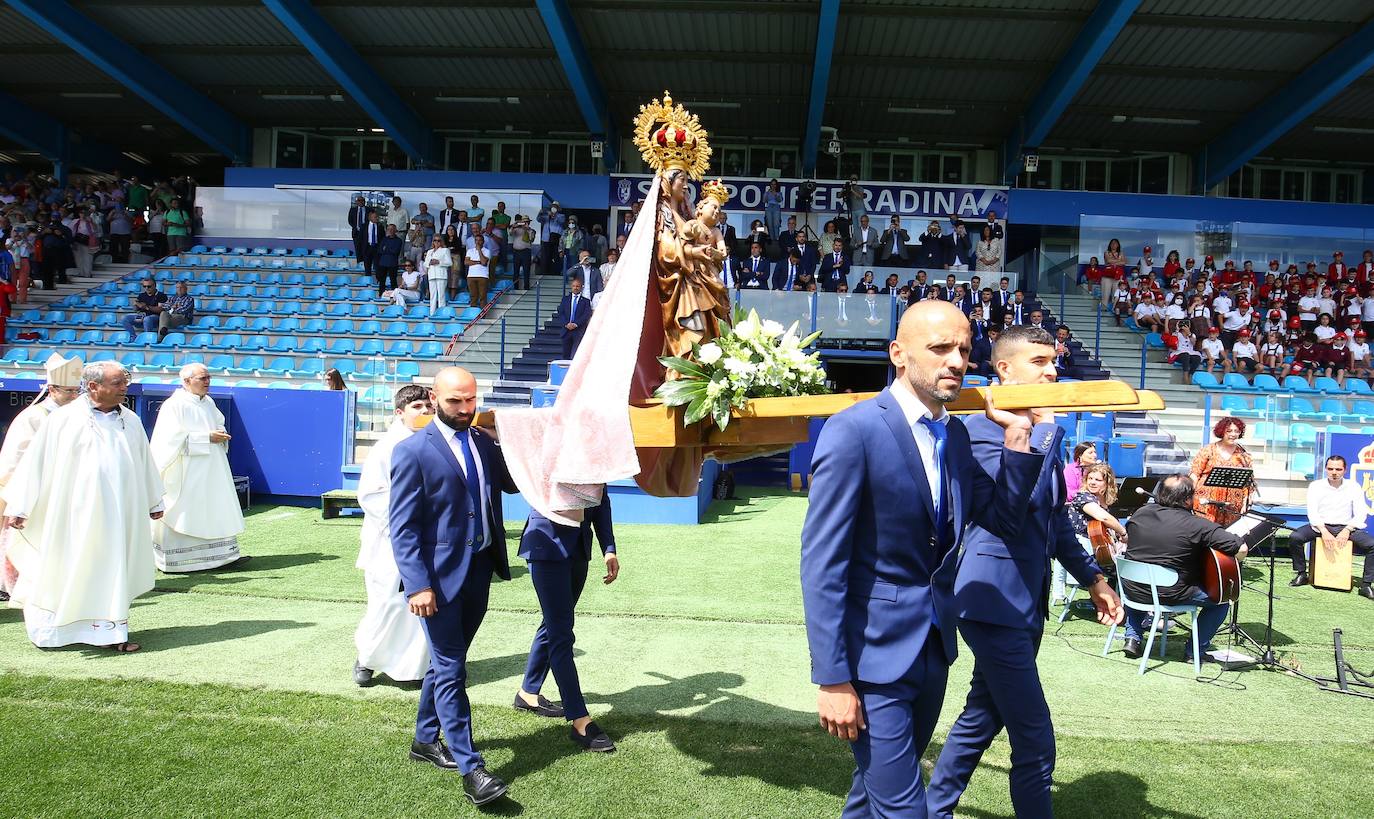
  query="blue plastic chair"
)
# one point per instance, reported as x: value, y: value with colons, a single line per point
x: 248, y: 365
x: 1362, y: 409
x: 342, y: 346
x: 144, y: 340
x: 407, y: 369
x: 424, y: 328
x: 262, y: 324
x: 235, y: 323
x: 397, y: 329
x: 199, y: 341
x: 370, y: 347
x: 366, y: 310
x: 285, y: 344
x: 1303, y: 463
x: 64, y: 337
x: 231, y: 341
x: 1329, y: 386
x: 1358, y: 386
x: 1302, y: 434
x: 1237, y: 383
x: 345, y: 366
x: 310, y: 326
x: 131, y: 359
x: 430, y: 349
x: 1235, y: 404
x: 371, y: 327
x: 1297, y: 383
x: 1154, y: 577
x: 92, y: 337
x: 310, y: 345
x: 341, y: 326
x: 400, y: 348
x: 309, y: 367
x: 220, y: 362
x: 256, y: 343
x: 161, y: 361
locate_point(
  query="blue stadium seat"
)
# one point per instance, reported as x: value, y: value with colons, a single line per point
x: 309, y: 367
x: 1206, y: 381
x: 234, y: 341
x: 345, y: 309
x: 256, y: 343
x: 162, y: 361
x: 371, y: 327
x: 400, y: 329
x: 101, y: 355
x: 341, y: 281
x: 144, y: 339
x: 278, y: 385
x: 1303, y: 463
x: 398, y: 348
x: 427, y: 328
x: 148, y: 379
x: 295, y: 278
x: 407, y: 369
x: 248, y: 365
x: 136, y: 359
x: 222, y: 249
x: 173, y: 340
x: 1327, y: 385
x: 317, y: 280
x: 447, y: 312
x: 66, y: 336
x: 15, y: 355
x: 456, y: 328
x: 206, y: 323
x: 1301, y: 407
x: 286, y: 308
x: 263, y: 324
x: 1302, y: 434
x: 204, y: 249
x: 242, y: 251
x: 370, y: 347
x: 341, y: 253
x: 1358, y: 386
x: 202, y: 340
x: 1264, y: 382
x: 240, y: 306
x: 365, y: 310
x: 392, y: 311
x: 312, y: 309
x: 1237, y: 383
x: 220, y: 362
x: 1363, y: 409
x: 376, y: 395
x: 346, y: 366
x: 285, y: 344
x: 312, y: 326
x: 1233, y: 404
x: 310, y: 345
x: 235, y: 323
x: 1332, y: 408
x: 1297, y: 383
x: 293, y: 292
x: 311, y: 385
x: 248, y: 383
x: 261, y: 250
x: 233, y: 261
x: 93, y: 337
x: 342, y: 346
x: 81, y: 318
x: 256, y: 264
x: 272, y: 278
x: 430, y: 349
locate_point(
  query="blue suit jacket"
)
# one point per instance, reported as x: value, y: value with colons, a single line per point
x: 1005, y: 581
x: 545, y: 540
x: 873, y: 576
x: 564, y: 315
x: 431, y: 523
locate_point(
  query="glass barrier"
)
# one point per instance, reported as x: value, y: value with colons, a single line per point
x: 1189, y: 237
x: 848, y: 317
x: 322, y: 213
x: 1298, y: 243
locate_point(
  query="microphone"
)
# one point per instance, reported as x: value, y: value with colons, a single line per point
x: 1140, y: 490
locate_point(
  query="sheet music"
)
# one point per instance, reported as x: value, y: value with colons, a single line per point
x: 1244, y: 526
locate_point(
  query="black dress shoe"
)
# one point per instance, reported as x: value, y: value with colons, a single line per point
x: 594, y: 740
x: 1299, y: 580
x: 543, y: 708
x: 435, y: 753
x: 1366, y: 591
x: 361, y: 674
x: 482, y: 787
x: 1132, y: 649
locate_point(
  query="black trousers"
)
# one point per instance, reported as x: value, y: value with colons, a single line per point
x: 386, y: 278
x: 119, y: 248
x: 1360, y: 542
x: 51, y: 269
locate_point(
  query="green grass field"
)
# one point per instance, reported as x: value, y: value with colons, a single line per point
x: 695, y: 662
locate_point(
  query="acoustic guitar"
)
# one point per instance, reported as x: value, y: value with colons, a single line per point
x: 1102, y: 540
x: 1221, y: 577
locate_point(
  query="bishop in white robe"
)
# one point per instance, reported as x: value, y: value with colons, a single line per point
x: 191, y: 450
x: 389, y: 638
x: 80, y: 502
x: 62, y: 387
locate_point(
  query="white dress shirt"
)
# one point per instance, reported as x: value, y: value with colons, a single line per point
x: 913, y: 410
x: 1336, y: 505
x: 451, y: 435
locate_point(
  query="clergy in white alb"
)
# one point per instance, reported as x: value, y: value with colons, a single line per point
x: 191, y: 449
x: 80, y: 502
x: 389, y: 639
x: 62, y: 387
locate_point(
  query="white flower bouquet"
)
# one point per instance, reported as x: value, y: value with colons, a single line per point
x: 751, y: 359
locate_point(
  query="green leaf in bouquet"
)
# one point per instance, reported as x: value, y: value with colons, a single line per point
x: 720, y: 413
x: 809, y: 340
x: 696, y: 410
x: 679, y: 392
x: 682, y: 365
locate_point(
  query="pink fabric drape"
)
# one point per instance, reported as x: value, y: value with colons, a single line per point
x: 562, y: 456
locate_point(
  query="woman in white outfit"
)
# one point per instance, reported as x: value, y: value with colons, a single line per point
x: 437, y: 262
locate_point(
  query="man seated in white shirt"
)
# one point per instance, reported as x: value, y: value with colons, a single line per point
x: 1336, y: 509
x: 1244, y: 354
x: 1147, y: 315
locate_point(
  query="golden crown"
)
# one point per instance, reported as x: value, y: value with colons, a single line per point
x: 668, y: 137
x: 716, y: 190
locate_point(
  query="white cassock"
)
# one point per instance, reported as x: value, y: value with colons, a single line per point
x: 22, y: 429
x: 86, y: 487
x: 390, y: 640
x: 203, y: 521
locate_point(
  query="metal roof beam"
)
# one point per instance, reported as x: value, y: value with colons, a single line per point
x: 185, y: 105
x: 362, y: 83
x: 826, y: 23
x: 577, y: 67
x: 52, y: 139
x: 1073, y: 70
x: 1286, y: 108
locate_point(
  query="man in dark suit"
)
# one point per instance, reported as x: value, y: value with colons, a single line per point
x: 935, y: 249
x: 792, y: 239
x: 1003, y: 296
x: 448, y: 540
x: 892, y: 285
x: 574, y: 311
x: 1002, y: 596
x: 758, y: 270
x: 980, y: 357
x: 558, y: 556
x: 947, y: 291
x: 731, y: 274
x: 834, y: 268
x: 373, y: 234
x: 894, y: 486
x: 786, y: 273
x: 357, y: 223
x: 388, y: 259
x: 450, y: 216
x: 892, y: 251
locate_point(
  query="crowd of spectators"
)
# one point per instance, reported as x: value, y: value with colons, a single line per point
x: 1310, y: 322
x: 49, y: 229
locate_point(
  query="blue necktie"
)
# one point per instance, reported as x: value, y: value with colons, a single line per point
x: 940, y: 433
x: 474, y: 491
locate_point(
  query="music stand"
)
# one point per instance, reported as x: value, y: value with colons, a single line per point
x: 1129, y: 498
x: 1230, y: 477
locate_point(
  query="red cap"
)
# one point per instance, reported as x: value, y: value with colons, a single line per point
x: 1149, y: 249
x: 1295, y: 323
x: 1209, y: 258
x: 1244, y: 302
x: 1273, y: 262
x: 1273, y: 314
x: 1213, y: 330
x: 1244, y: 333
x: 1338, y: 253
x: 1353, y: 320
x: 1361, y: 334
x: 1352, y: 290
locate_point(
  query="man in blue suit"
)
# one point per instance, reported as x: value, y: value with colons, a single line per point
x: 834, y: 268
x: 558, y: 556
x: 788, y: 271
x: 574, y: 311
x: 448, y: 539
x: 1002, y: 594
x: 894, y: 485
x: 757, y: 269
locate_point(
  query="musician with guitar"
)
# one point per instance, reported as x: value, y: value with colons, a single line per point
x: 1167, y: 533
x: 1101, y: 534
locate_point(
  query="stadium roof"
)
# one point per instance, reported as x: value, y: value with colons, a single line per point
x: 1231, y: 78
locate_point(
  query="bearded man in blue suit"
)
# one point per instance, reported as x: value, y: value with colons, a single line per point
x: 1002, y: 594
x: 894, y: 485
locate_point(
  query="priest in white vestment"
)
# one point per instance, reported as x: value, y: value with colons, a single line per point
x: 63, y: 385
x: 80, y: 502
x: 191, y: 449
x: 389, y: 639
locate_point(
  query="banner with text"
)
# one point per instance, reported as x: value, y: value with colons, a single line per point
x: 882, y: 199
